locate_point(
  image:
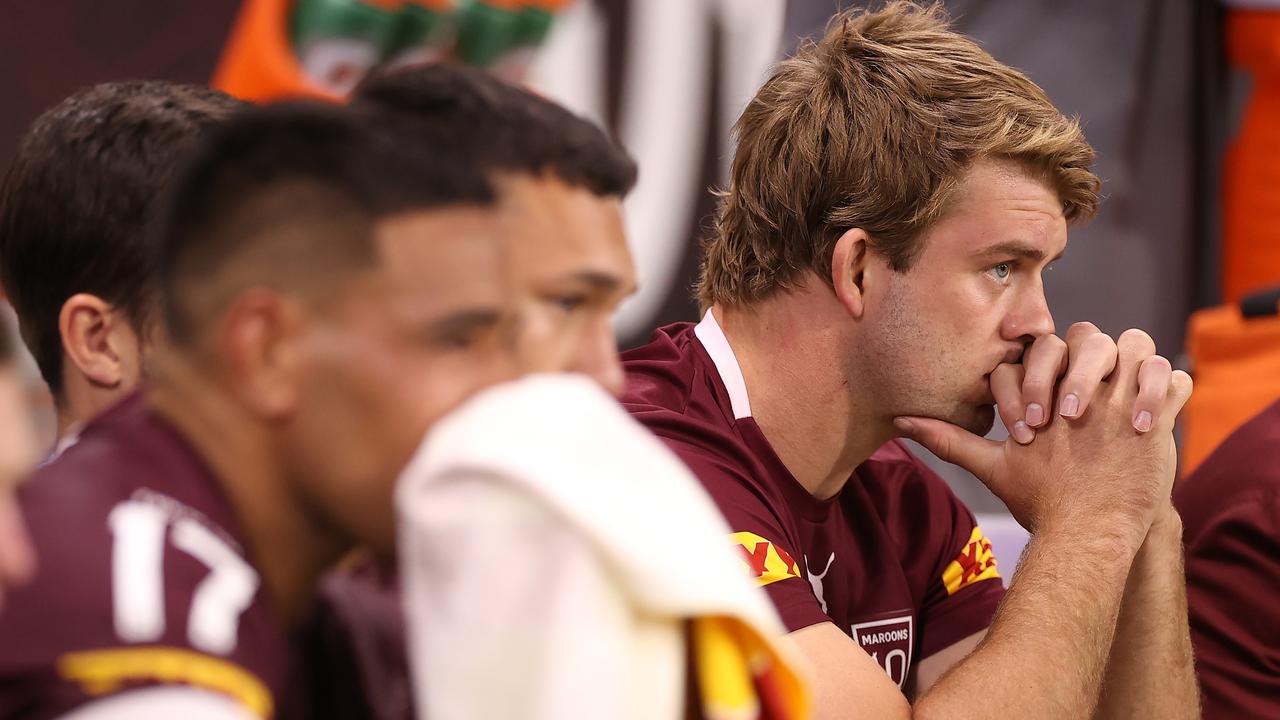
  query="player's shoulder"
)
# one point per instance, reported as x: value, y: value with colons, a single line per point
x: 1234, y: 485
x: 661, y: 373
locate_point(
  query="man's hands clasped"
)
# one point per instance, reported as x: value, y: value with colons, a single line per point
x: 1091, y: 433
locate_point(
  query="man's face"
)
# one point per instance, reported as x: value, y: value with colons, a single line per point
x: 570, y: 265
x: 412, y: 338
x: 974, y: 298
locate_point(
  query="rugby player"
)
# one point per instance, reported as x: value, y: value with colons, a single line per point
x: 76, y: 261
x: 1231, y: 511
x: 326, y: 299
x: 530, y: 499
x: 19, y: 453
x: 876, y: 271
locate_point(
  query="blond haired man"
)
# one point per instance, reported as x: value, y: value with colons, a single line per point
x: 875, y: 273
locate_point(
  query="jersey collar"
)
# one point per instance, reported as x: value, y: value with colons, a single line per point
x: 717, y: 346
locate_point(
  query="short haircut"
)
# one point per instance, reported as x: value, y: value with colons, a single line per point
x: 290, y: 195
x: 873, y: 127
x: 77, y: 199
x: 502, y: 128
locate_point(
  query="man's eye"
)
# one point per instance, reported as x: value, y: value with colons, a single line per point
x: 1002, y: 271
x: 569, y: 303
x: 456, y: 341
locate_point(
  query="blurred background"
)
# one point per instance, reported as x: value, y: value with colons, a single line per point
x: 1179, y: 97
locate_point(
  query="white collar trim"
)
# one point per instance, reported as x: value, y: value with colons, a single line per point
x: 717, y: 345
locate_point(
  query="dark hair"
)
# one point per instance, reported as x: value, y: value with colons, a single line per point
x: 76, y: 201
x: 502, y: 128
x: 292, y: 193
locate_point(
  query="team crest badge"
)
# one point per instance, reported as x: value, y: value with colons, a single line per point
x: 888, y: 642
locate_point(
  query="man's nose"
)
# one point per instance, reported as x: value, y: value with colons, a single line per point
x: 1030, y: 320
x: 598, y: 358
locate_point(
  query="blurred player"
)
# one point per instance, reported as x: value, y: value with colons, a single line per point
x: 75, y: 257
x: 18, y: 456
x: 325, y: 301
x: 1231, y: 511
x: 534, y: 585
x: 875, y: 271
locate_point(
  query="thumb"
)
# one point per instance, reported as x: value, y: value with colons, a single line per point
x: 954, y: 444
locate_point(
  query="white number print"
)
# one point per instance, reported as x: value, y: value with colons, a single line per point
x: 137, y: 578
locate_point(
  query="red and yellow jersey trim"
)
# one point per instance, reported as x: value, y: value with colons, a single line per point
x: 765, y: 560
x: 975, y: 563
x: 101, y: 672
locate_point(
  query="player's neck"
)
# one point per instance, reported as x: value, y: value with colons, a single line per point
x: 81, y: 400
x: 789, y: 349
x: 285, y: 545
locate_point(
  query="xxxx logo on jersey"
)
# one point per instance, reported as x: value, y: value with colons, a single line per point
x: 767, y: 562
x: 976, y: 562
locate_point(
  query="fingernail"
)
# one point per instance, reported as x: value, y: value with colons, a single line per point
x: 904, y: 426
x: 1022, y: 433
x: 1142, y: 423
x: 1035, y: 414
x: 1070, y: 406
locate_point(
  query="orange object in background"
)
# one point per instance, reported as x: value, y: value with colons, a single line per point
x: 258, y: 62
x: 1251, y: 170
x: 1235, y: 356
x: 322, y: 48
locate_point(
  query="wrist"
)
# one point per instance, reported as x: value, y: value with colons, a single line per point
x: 1108, y: 539
x: 1167, y: 520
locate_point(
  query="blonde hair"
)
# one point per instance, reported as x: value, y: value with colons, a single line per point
x: 873, y: 127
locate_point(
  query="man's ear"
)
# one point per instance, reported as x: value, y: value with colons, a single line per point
x: 98, y: 340
x: 258, y: 340
x: 848, y: 267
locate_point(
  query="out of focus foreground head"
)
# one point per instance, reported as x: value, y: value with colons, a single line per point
x: 76, y: 257
x: 562, y: 180
x: 327, y: 298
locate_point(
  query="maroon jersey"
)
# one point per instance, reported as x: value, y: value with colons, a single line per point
x: 357, y: 665
x: 143, y: 579
x: 894, y: 560
x: 1230, y: 509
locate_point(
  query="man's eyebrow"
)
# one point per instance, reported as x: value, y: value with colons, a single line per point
x: 600, y: 281
x: 1018, y: 249
x: 465, y: 321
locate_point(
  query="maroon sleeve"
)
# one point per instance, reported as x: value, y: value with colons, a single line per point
x: 769, y: 546
x: 947, y: 557
x: 1233, y: 581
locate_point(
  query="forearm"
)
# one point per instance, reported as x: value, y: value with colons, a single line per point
x: 1151, y: 672
x: 1046, y: 651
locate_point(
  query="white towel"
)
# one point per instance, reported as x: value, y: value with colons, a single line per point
x: 552, y: 552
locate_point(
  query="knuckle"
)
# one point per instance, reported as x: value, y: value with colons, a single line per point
x: 1099, y: 343
x: 1035, y: 386
x: 1136, y: 341
x: 1159, y: 362
x: 1182, y: 381
x: 1077, y: 379
x: 1083, y: 329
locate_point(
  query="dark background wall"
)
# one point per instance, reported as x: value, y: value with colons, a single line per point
x: 48, y: 48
